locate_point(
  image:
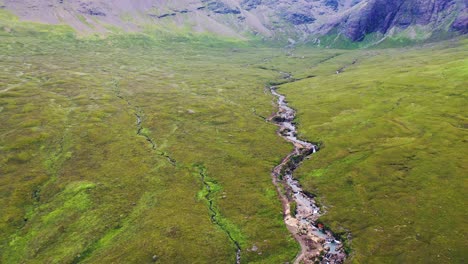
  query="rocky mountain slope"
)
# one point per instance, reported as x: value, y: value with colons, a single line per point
x: 298, y: 20
x: 388, y: 17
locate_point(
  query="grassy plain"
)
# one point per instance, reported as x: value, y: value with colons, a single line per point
x: 392, y: 169
x: 81, y: 183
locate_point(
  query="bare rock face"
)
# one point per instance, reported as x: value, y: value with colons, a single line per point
x: 461, y: 23
x: 370, y: 18
x: 278, y: 19
x: 381, y: 16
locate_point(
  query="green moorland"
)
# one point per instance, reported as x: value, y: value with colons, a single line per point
x: 392, y: 168
x: 137, y: 148
x: 81, y: 181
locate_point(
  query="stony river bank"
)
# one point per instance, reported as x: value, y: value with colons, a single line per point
x: 300, y: 209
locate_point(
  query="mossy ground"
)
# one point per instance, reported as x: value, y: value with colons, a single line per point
x: 78, y: 184
x: 392, y: 168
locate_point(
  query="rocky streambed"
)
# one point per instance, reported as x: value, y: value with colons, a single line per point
x: 300, y: 210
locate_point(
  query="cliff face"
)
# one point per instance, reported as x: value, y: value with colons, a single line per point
x: 298, y: 19
x: 461, y: 22
x: 383, y: 16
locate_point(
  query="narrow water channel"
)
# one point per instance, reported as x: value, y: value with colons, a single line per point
x: 300, y: 210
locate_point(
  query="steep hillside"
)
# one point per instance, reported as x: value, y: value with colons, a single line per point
x: 393, y: 17
x: 302, y: 20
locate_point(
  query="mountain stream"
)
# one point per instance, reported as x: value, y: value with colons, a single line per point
x: 300, y: 209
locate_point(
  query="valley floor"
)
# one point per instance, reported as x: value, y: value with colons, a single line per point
x: 139, y: 149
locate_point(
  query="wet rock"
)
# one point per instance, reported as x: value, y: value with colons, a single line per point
x: 278, y: 119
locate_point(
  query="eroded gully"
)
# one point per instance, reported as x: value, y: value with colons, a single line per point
x: 317, y: 244
x: 139, y: 123
x: 214, y: 212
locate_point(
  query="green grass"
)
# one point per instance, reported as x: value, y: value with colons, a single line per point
x: 78, y: 185
x: 392, y: 170
x: 64, y: 125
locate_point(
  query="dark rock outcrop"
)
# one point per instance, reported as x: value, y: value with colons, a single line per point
x: 382, y: 15
x: 89, y: 9
x: 332, y: 4
x: 461, y: 23
x: 220, y: 7
x: 250, y: 4
x: 299, y: 18
x: 163, y: 15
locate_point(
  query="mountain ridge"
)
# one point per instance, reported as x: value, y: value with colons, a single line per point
x: 301, y: 20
